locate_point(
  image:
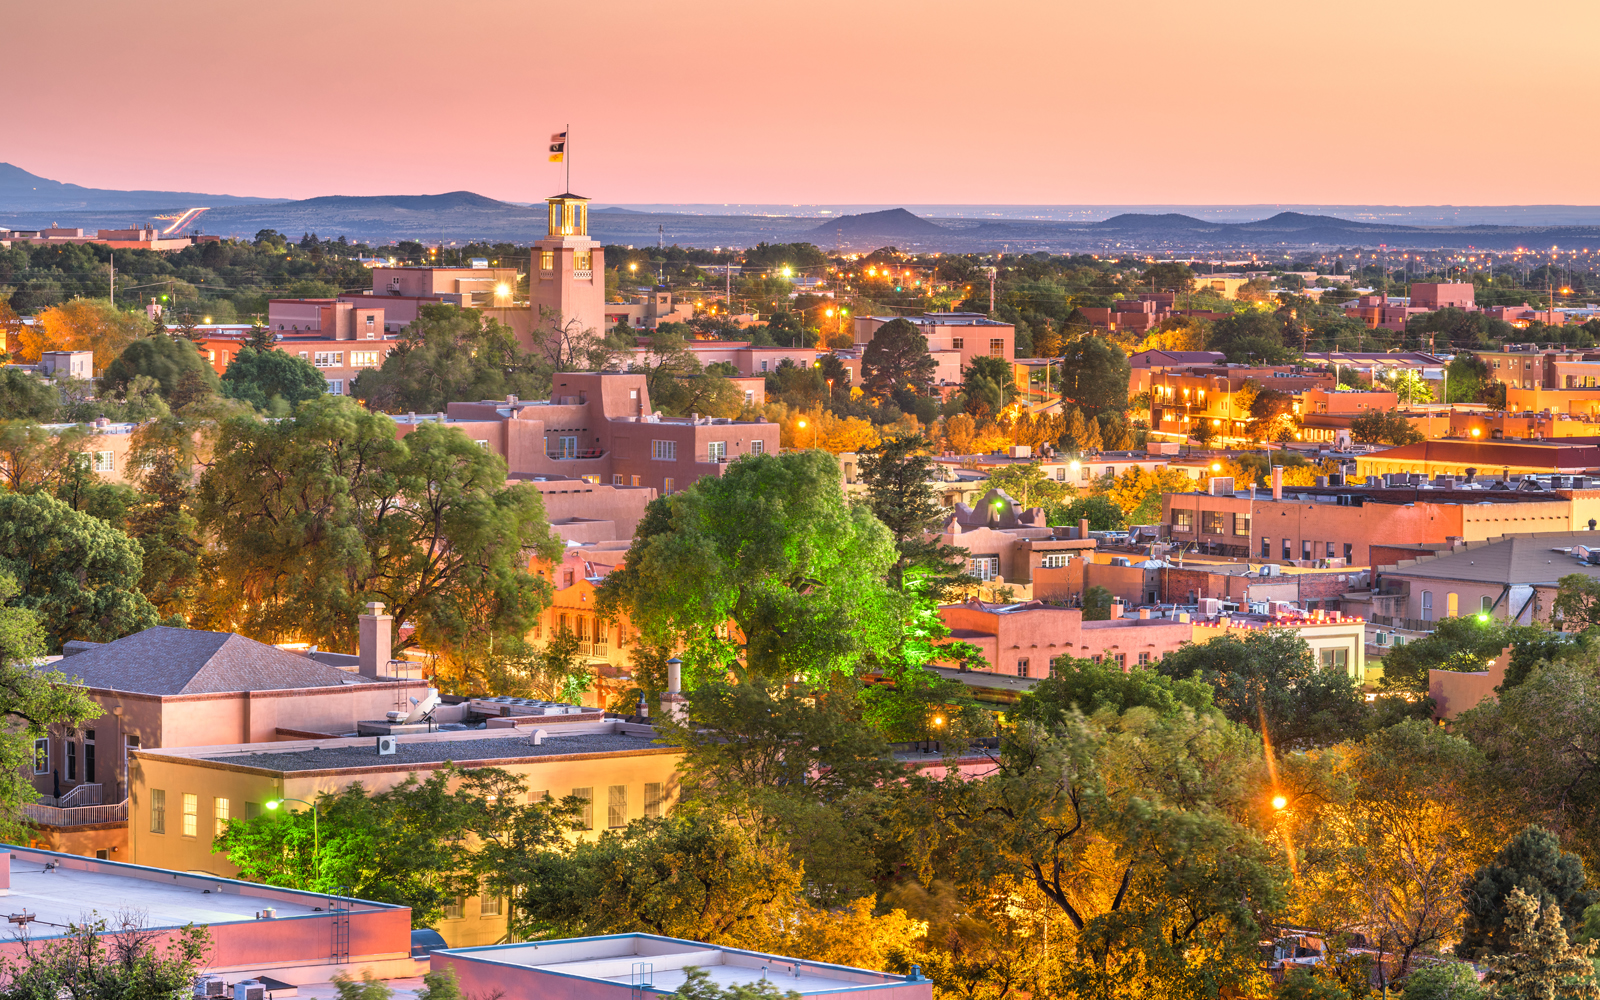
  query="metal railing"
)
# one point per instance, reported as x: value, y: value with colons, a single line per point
x: 83, y: 795
x: 58, y: 816
x: 560, y: 455
x: 1408, y: 624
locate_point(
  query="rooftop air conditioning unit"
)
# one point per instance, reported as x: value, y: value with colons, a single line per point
x: 387, y: 746
x: 210, y: 986
x: 1221, y: 486
x: 250, y: 989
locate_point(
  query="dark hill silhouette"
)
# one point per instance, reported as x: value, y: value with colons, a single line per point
x: 1171, y: 221
x: 21, y: 191
x: 892, y: 222
x: 451, y: 201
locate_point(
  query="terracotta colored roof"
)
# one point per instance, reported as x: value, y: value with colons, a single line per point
x: 170, y: 661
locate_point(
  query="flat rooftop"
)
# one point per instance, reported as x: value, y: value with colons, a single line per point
x: 412, y: 750
x: 655, y: 965
x: 78, y: 886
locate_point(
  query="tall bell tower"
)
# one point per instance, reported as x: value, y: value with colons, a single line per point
x: 567, y: 278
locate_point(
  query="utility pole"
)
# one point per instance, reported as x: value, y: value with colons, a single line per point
x: 113, y: 279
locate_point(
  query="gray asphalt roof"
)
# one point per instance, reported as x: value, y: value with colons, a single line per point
x: 418, y: 751
x: 171, y: 661
x: 1515, y: 559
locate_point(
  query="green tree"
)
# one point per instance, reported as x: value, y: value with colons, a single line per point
x: 698, y: 985
x: 1078, y: 685
x: 1269, y: 680
x: 691, y: 876
x: 1250, y: 337
x: 898, y: 476
x: 772, y: 547
x: 1466, y: 643
x: 1532, y: 864
x: 1102, y: 512
x: 1097, y: 604
x: 368, y: 987
x: 897, y: 363
x: 318, y: 514
x: 1443, y: 981
x: 1169, y: 276
x: 1029, y: 486
x: 25, y: 396
x: 1409, y: 386
x: 1538, y: 962
x: 1094, y: 376
x: 259, y: 377
x: 1577, y: 603
x: 79, y: 574
x: 91, y: 961
x: 164, y: 359
x: 988, y: 385
x: 413, y: 844
x: 32, y: 703
x: 1380, y: 427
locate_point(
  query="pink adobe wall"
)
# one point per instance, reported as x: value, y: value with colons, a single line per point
x: 1362, y: 527
x: 1439, y: 294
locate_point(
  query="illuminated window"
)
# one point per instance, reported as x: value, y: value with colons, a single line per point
x: 585, y: 807
x: 667, y: 486
x: 997, y: 348
x: 191, y: 814
x: 1241, y: 525
x: 219, y: 809
x: 583, y: 260
x: 1211, y: 522
x: 328, y: 359
x: 364, y: 359
x: 1183, y: 520
x: 158, y: 810
x: 105, y: 461
x: 547, y: 260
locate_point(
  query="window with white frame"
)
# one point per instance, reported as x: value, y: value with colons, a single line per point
x: 191, y: 814
x: 219, y: 812
x: 985, y: 567
x: 717, y: 451
x: 336, y: 386
x: 664, y: 451
x: 1056, y: 560
x: 667, y: 486
x: 364, y: 359
x: 758, y: 447
x: 41, y: 756
x: 328, y: 359
x: 105, y: 461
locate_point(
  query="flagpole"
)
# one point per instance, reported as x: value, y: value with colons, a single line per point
x: 568, y: 157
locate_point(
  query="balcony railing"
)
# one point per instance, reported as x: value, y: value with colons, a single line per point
x: 1408, y: 624
x: 570, y: 455
x: 83, y: 795
x: 70, y: 816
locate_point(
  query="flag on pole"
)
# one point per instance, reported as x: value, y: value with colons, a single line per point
x: 558, y: 147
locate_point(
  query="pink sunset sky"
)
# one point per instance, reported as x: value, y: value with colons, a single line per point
x: 867, y: 101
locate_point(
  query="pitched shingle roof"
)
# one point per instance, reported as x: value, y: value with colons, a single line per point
x: 168, y: 661
x: 1510, y: 560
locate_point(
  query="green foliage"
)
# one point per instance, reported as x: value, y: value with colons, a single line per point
x: 988, y: 386
x: 697, y: 985
x: 1078, y: 685
x: 1537, y: 962
x: 898, y: 476
x: 79, y: 574
x: 1268, y: 679
x: 1094, y: 375
x: 1380, y: 427
x: 1101, y: 510
x: 25, y: 396
x: 440, y: 985
x: 1097, y: 604
x: 318, y: 514
x: 259, y: 377
x: 1443, y: 981
x: 691, y: 876
x: 771, y: 545
x: 93, y: 962
x: 167, y: 360
x: 413, y: 844
x: 1533, y: 864
x: 1577, y: 603
x: 1251, y: 337
x: 896, y: 363
x: 1463, y: 643
x: 368, y: 987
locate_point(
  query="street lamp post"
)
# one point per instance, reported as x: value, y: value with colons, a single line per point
x: 316, y: 837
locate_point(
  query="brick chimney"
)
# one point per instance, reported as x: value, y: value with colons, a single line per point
x: 376, y: 640
x: 1083, y: 527
x: 1277, y: 482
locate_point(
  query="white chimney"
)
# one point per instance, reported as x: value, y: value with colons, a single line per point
x: 1277, y: 482
x: 376, y: 641
x: 672, y: 701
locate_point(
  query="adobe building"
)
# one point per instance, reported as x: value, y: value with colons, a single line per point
x: 1513, y: 578
x: 173, y: 687
x: 1488, y: 458
x: 1022, y: 639
x: 1181, y: 400
x: 598, y: 427
x: 639, y: 966
x: 1337, y: 641
x: 566, y: 283
x: 1144, y: 365
x: 297, y: 938
x: 180, y: 798
x: 1309, y: 525
x: 954, y: 339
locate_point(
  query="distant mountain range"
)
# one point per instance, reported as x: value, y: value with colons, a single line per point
x: 30, y: 201
x: 21, y: 191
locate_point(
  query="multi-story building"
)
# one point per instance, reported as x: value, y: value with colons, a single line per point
x: 599, y: 427
x: 339, y: 360
x: 648, y: 310
x: 1145, y: 365
x: 954, y: 339
x: 1180, y: 401
x: 1307, y: 525
x: 1022, y: 639
x: 180, y: 799
x: 1488, y: 458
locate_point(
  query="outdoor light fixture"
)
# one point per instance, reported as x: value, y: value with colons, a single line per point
x: 1279, y: 802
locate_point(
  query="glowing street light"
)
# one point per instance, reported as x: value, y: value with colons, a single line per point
x: 1279, y: 803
